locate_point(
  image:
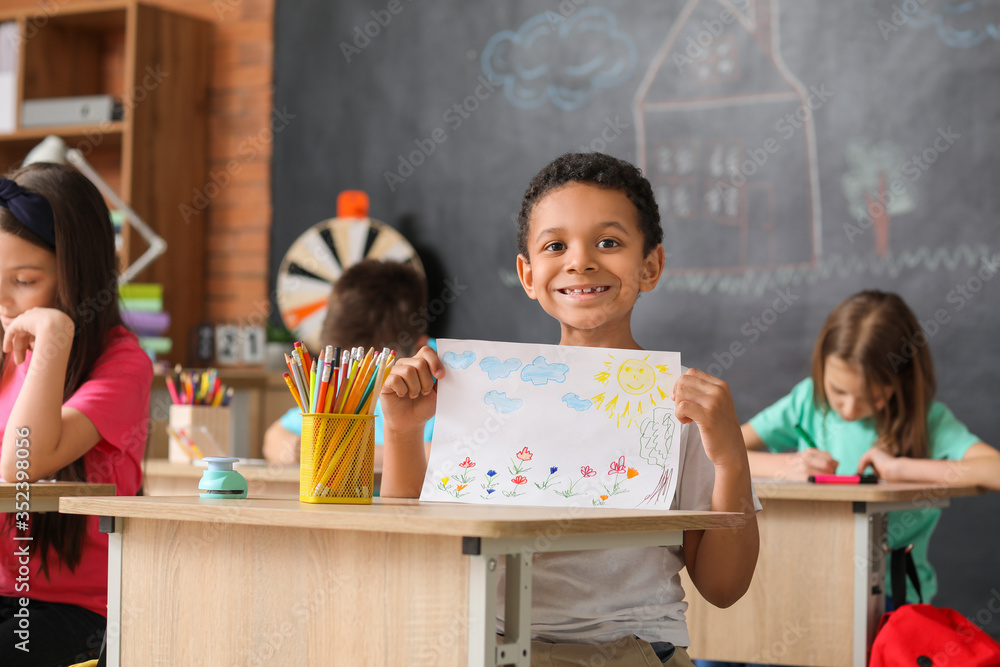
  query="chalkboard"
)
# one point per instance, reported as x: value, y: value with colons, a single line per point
x: 800, y: 151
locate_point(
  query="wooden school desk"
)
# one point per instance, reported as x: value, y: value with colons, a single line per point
x: 44, y: 496
x: 818, y: 592
x: 276, y: 581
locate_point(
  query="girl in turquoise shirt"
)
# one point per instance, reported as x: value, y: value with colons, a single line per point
x: 870, y: 402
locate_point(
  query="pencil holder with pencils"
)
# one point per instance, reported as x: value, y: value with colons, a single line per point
x: 199, y: 430
x: 337, y: 458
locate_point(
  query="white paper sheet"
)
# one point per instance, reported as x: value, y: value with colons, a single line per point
x: 524, y: 424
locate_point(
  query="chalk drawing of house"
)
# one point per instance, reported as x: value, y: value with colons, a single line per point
x: 725, y: 135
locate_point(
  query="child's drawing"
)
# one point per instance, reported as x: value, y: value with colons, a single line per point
x: 553, y: 425
x: 643, y: 387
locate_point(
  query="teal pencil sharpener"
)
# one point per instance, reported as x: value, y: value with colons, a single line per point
x: 220, y: 480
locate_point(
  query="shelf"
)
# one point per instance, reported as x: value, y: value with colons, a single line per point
x: 156, y: 158
x: 70, y: 133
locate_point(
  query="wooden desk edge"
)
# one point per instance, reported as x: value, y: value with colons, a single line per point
x: 58, y: 489
x: 403, y: 517
x: 773, y: 489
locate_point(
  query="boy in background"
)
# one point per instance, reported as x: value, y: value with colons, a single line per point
x: 373, y: 304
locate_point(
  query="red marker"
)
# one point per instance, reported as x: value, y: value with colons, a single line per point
x: 844, y: 479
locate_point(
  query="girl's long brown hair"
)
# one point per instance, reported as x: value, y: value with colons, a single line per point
x: 877, y: 333
x: 87, y: 291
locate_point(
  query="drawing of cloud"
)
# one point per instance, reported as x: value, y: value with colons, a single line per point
x: 962, y: 24
x: 499, y: 369
x: 461, y: 361
x: 501, y: 402
x: 560, y: 60
x: 541, y: 372
x: 577, y: 403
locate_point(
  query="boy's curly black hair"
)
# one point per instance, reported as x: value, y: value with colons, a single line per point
x: 603, y: 171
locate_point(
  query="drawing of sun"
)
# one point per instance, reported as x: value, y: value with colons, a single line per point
x: 642, y: 386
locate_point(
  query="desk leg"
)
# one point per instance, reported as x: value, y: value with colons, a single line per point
x: 483, y: 647
x: 113, y: 635
x: 870, y: 529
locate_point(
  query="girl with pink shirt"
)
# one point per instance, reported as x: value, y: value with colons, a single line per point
x: 74, y: 405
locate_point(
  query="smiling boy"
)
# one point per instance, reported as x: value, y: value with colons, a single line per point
x: 589, y: 243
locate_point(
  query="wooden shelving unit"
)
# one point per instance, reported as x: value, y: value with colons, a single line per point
x: 156, y: 62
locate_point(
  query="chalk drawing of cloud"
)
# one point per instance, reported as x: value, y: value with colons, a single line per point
x: 562, y: 61
x: 962, y: 24
x: 577, y: 403
x: 541, y: 372
x: 499, y: 369
x: 460, y: 361
x: 501, y: 402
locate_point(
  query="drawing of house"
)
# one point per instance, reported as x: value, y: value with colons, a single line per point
x: 726, y: 136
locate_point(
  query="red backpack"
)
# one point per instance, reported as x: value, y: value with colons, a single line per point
x: 921, y: 635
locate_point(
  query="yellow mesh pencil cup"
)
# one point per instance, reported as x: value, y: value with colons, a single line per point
x: 337, y: 458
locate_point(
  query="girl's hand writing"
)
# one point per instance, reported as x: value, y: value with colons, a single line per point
x: 706, y: 400
x: 409, y: 393
x: 37, y: 328
x: 800, y: 465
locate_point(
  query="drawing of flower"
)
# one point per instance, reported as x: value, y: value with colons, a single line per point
x: 488, y: 493
x: 491, y: 480
x: 548, y: 480
x: 517, y: 468
x: 600, y: 502
x: 461, y: 486
x: 444, y: 480
x: 604, y: 497
x: 468, y: 464
x: 518, y: 480
x: 617, y: 468
x: 444, y: 485
x: 585, y: 471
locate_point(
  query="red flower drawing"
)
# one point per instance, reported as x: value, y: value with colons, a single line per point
x: 467, y: 463
x: 524, y: 454
x: 618, y: 467
x: 587, y: 471
x: 520, y: 479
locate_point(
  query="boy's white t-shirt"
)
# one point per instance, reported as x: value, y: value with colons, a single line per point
x: 592, y: 597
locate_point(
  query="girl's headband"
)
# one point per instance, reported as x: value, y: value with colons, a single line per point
x: 31, y: 210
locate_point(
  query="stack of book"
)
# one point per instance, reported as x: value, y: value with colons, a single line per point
x: 142, y: 310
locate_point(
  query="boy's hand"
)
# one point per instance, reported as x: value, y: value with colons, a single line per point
x: 705, y: 400
x: 409, y: 393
